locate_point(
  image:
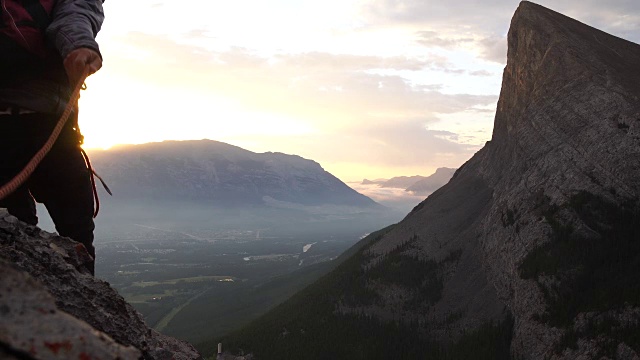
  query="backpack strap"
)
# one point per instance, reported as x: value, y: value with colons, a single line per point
x: 1, y: 18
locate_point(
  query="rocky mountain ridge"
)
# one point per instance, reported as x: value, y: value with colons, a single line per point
x: 398, y: 182
x: 419, y: 185
x: 432, y: 182
x: 52, y: 308
x: 220, y: 174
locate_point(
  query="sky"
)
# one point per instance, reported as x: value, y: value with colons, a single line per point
x: 367, y: 88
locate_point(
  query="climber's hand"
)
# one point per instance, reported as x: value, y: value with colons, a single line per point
x: 79, y: 59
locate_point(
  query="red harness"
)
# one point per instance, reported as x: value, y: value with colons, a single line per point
x: 25, y: 22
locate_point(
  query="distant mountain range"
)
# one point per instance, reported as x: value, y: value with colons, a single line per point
x: 205, y: 185
x: 418, y: 185
x: 216, y: 173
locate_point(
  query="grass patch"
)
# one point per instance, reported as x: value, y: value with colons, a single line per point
x: 143, y: 298
x: 196, y: 279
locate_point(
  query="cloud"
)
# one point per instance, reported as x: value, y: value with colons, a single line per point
x: 463, y: 15
x: 391, y: 197
x: 494, y: 49
x: 489, y: 47
x: 333, y: 90
x: 347, y: 62
x: 433, y: 38
x: 334, y: 108
x: 483, y: 25
x: 480, y: 73
x: 391, y: 146
x: 494, y: 15
x: 618, y: 17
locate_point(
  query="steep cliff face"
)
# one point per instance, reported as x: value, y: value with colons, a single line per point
x: 51, y: 308
x: 541, y: 226
x: 546, y: 214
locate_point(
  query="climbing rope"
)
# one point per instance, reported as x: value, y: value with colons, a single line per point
x: 31, y: 166
x: 94, y: 175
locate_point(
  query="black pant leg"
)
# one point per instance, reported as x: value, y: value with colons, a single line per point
x: 62, y: 183
x: 16, y: 149
x: 21, y: 205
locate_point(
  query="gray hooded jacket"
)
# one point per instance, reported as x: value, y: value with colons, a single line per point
x: 74, y: 24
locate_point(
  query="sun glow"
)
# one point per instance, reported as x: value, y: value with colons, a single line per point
x: 121, y: 110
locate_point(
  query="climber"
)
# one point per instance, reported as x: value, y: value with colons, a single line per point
x: 46, y: 47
